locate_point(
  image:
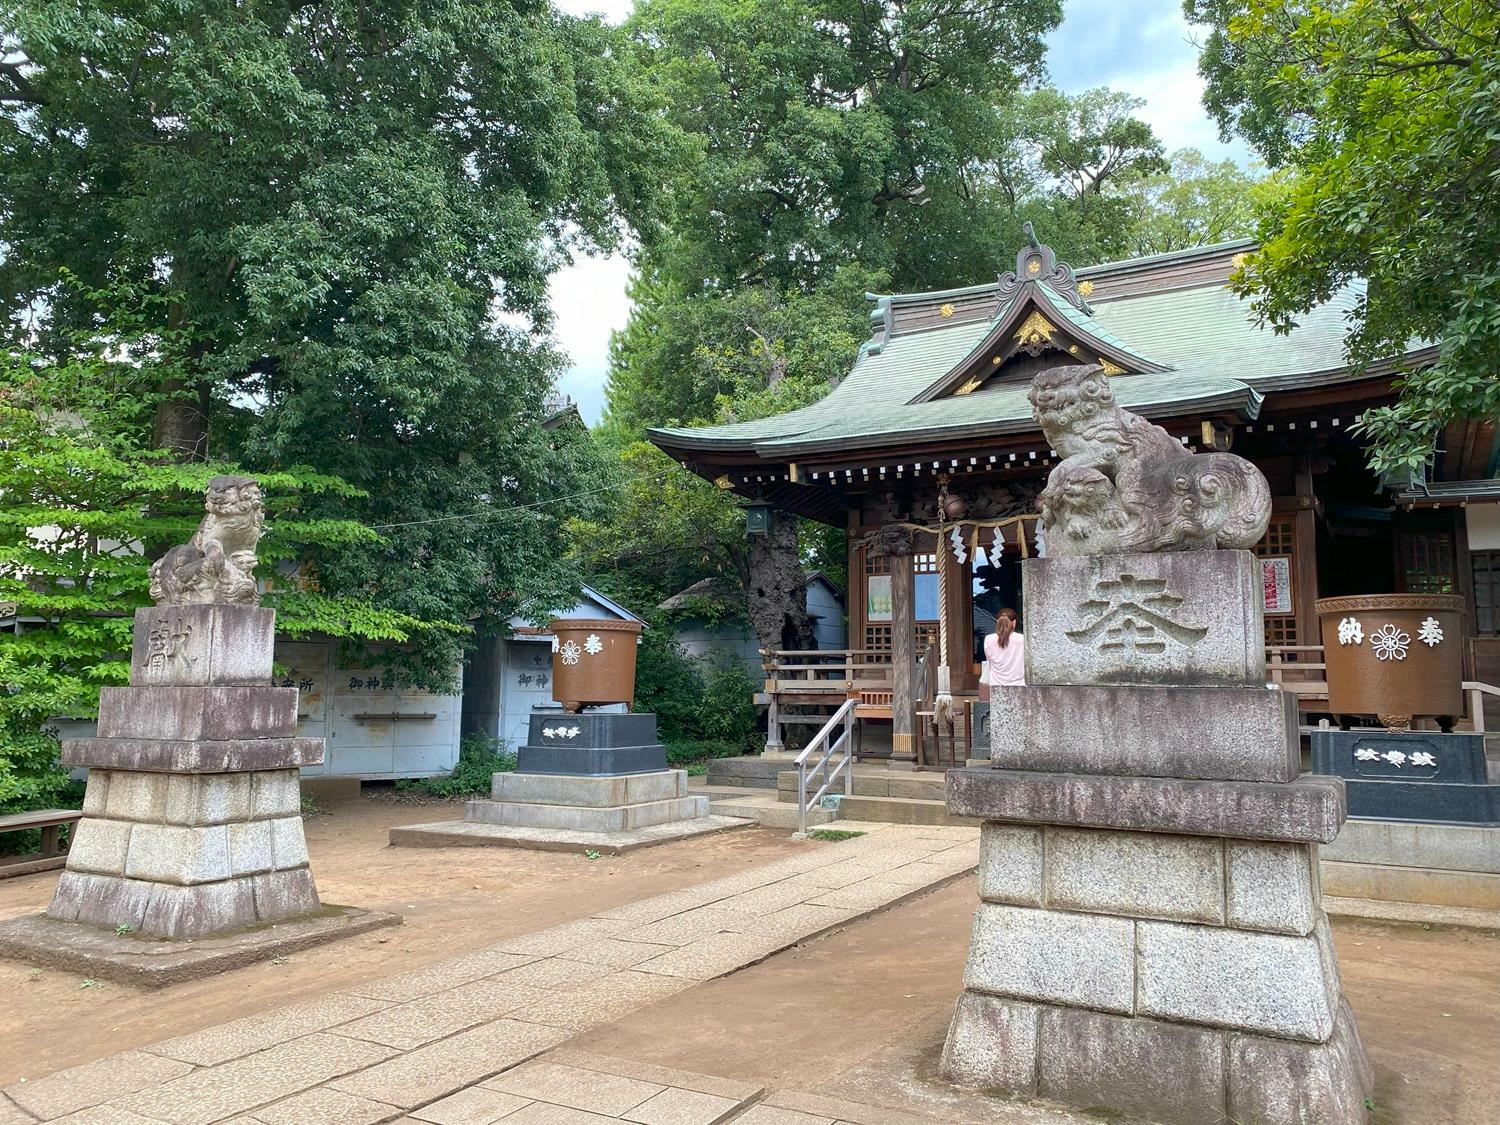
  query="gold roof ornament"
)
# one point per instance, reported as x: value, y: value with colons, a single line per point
x: 1238, y: 261
x: 945, y: 312
x: 1086, y: 287
x: 1035, y: 329
x: 1034, y: 267
x: 970, y: 386
x: 1110, y: 368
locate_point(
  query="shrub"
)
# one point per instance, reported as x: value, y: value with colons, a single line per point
x: 32, y: 777
x: 708, y: 702
x: 479, y: 758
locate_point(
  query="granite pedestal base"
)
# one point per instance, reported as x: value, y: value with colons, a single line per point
x: 192, y: 820
x: 1184, y: 979
x: 588, y: 782
x: 555, y: 812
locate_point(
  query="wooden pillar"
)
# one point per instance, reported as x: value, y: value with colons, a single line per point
x: 903, y: 658
x: 1305, y: 539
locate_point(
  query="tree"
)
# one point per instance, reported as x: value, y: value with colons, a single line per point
x: 1386, y: 116
x: 343, y: 217
x: 1197, y: 202
x: 838, y: 148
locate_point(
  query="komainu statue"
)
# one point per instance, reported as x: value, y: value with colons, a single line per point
x: 1125, y: 484
x: 218, y: 563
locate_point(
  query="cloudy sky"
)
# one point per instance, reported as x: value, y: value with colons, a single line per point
x: 1143, y: 47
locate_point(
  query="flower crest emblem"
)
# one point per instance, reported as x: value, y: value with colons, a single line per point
x: 1389, y: 643
x: 570, y: 652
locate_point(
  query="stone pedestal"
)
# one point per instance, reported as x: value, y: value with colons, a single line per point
x: 594, y: 781
x: 192, y: 819
x: 1150, y: 936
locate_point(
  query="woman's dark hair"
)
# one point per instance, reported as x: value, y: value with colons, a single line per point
x: 1005, y: 624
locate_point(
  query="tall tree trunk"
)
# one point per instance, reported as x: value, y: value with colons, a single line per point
x: 181, y: 422
x: 777, y: 590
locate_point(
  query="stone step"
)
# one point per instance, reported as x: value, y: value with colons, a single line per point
x: 749, y: 772
x: 769, y: 812
x: 899, y: 810
x: 1474, y: 890
x: 905, y: 784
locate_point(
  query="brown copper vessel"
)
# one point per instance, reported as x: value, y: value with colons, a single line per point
x: 593, y: 662
x: 1395, y: 656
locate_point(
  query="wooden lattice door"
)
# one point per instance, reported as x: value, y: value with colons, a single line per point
x: 1278, y: 552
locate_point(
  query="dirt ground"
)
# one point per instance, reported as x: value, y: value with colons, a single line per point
x: 453, y: 900
x: 859, y: 1014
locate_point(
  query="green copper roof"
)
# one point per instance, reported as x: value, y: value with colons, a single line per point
x: 1217, y: 358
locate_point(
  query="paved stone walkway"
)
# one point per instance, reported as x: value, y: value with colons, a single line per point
x: 445, y: 1044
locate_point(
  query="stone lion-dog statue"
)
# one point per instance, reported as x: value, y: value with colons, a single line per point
x: 1125, y: 484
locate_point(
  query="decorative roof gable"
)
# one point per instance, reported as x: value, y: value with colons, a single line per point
x: 1041, y: 310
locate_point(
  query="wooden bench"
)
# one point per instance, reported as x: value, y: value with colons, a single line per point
x: 51, y: 822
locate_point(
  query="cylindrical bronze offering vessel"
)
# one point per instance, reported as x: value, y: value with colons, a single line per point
x: 593, y: 662
x: 1395, y: 656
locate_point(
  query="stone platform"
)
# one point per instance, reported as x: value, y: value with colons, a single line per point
x: 145, y: 962
x: 596, y: 781
x: 611, y: 815
x: 464, y: 834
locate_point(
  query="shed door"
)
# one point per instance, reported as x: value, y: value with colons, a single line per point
x: 526, y: 683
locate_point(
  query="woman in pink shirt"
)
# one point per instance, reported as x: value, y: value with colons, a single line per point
x: 1004, y: 653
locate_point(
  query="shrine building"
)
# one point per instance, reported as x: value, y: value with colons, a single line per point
x: 928, y: 446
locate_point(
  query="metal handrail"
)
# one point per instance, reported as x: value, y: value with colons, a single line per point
x: 843, y: 746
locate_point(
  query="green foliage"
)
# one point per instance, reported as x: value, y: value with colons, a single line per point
x: 832, y: 835
x: 480, y: 757
x: 326, y: 234
x: 703, y: 707
x: 1197, y: 202
x: 1387, y: 121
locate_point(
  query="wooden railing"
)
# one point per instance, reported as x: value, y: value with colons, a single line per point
x: 828, y: 670
x: 1299, y: 669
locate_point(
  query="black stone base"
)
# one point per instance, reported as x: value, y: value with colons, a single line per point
x: 1381, y: 755
x: 590, y: 729
x: 1425, y: 801
x: 1410, y: 775
x: 591, y: 761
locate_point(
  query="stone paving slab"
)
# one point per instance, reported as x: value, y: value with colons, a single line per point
x: 324, y: 1107
x: 440, y: 1068
x: 211, y: 1094
x: 91, y: 1084
x: 433, y: 1017
x: 442, y: 976
x: 415, y: 1047
x: 602, y: 1001
x: 255, y: 1033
